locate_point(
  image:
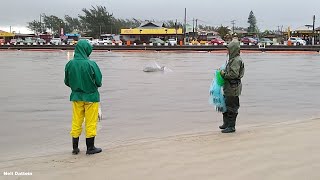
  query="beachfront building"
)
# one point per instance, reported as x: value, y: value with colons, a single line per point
x: 304, y: 32
x: 147, y: 30
x: 6, y: 36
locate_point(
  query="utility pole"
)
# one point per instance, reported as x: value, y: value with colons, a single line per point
x: 313, y: 36
x: 193, y: 29
x: 197, y: 26
x: 175, y: 26
x: 40, y: 24
x: 233, y: 22
x: 185, y: 24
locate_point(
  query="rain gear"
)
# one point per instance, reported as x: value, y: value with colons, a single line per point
x: 232, y: 88
x: 82, y: 75
x: 234, y: 70
x: 84, y: 78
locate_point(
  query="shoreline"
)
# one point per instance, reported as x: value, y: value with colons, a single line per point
x: 163, y: 51
x: 184, y: 48
x: 286, y: 150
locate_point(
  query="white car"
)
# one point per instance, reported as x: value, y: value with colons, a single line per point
x: 56, y: 41
x: 297, y: 41
x: 172, y: 42
x: 95, y: 42
x: 105, y: 41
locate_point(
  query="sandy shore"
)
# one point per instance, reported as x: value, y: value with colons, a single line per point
x: 279, y: 151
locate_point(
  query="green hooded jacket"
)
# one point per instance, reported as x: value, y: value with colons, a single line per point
x: 234, y: 70
x: 82, y: 75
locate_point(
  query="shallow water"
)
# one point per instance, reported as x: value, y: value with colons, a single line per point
x: 36, y: 112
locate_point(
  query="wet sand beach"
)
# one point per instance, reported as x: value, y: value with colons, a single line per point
x: 279, y: 151
x: 160, y: 125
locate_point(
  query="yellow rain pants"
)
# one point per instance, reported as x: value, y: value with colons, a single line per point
x: 88, y: 111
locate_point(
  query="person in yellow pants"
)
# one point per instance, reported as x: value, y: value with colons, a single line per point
x: 84, y: 111
x: 84, y: 78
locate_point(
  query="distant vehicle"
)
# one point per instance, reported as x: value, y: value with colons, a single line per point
x: 2, y: 41
x: 249, y: 40
x: 71, y: 42
x: 266, y: 41
x: 298, y: 41
x: 117, y: 39
x: 217, y: 41
x: 16, y: 41
x: 203, y: 42
x: 95, y: 42
x: 39, y: 41
x: 13, y: 41
x: 89, y: 39
x: 29, y: 40
x: 194, y: 42
x: 172, y: 42
x: 56, y: 41
x: 105, y: 41
x: 156, y: 41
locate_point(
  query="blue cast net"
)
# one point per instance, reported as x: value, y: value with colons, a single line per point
x: 216, y: 94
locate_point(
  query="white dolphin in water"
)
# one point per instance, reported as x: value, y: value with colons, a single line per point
x: 153, y: 69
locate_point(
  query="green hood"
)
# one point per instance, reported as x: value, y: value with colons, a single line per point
x: 82, y: 75
x: 234, y: 49
x: 83, y: 50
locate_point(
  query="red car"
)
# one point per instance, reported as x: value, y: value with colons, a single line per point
x: 249, y: 40
x: 2, y: 41
x: 217, y: 41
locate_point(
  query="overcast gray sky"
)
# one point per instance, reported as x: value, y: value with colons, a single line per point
x: 269, y: 13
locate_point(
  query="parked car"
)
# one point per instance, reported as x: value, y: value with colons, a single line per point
x: 29, y: 40
x: 217, y: 41
x: 95, y: 42
x: 55, y: 41
x: 194, y: 42
x: 156, y: 41
x: 117, y: 39
x: 13, y: 41
x: 172, y: 42
x: 105, y: 41
x: 71, y: 42
x: 203, y: 42
x: 249, y: 40
x: 296, y: 40
x: 266, y: 41
x: 16, y: 41
x: 39, y: 41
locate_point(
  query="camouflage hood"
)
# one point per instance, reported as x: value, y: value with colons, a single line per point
x: 234, y: 49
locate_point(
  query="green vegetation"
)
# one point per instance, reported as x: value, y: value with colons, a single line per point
x: 253, y: 28
x: 97, y: 20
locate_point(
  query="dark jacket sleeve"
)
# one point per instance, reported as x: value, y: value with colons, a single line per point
x: 97, y: 75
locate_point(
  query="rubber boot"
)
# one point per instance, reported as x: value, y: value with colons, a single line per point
x: 91, y: 149
x: 225, y: 121
x: 75, y: 142
x: 232, y: 123
x: 229, y: 130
